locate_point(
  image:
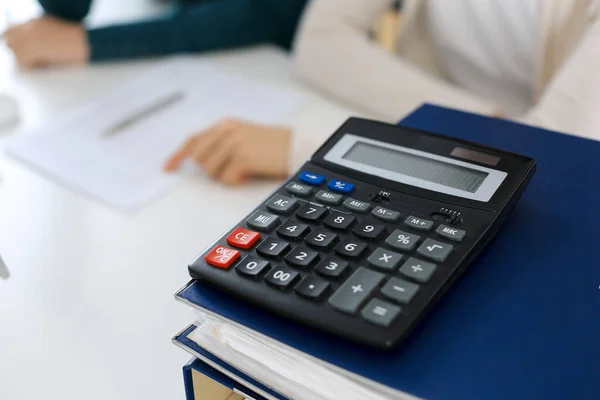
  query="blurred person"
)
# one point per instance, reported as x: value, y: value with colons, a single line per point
x: 60, y: 37
x: 537, y: 61
x: 232, y: 150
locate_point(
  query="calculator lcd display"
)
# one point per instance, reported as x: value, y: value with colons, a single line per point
x: 416, y: 166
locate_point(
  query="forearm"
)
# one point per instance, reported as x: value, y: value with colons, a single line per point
x: 72, y: 10
x: 571, y: 102
x: 197, y: 28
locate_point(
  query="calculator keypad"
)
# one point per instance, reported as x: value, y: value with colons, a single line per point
x: 353, y: 257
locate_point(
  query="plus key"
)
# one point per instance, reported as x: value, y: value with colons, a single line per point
x: 222, y: 257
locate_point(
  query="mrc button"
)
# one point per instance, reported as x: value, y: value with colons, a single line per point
x: 450, y: 233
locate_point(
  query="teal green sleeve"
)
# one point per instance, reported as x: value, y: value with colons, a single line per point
x: 73, y: 10
x: 204, y: 26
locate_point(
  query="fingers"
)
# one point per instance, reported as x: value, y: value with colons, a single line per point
x: 234, y: 172
x: 218, y: 159
x: 185, y: 151
x: 211, y: 139
x: 200, y: 146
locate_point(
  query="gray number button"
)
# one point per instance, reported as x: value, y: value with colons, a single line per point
x: 401, y: 240
x: 435, y: 250
x: 263, y: 221
x: 281, y: 204
x: 350, y: 296
x: 380, y: 312
x: 400, y: 290
x: 418, y: 270
x: 384, y: 259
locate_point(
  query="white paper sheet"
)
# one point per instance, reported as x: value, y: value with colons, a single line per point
x: 125, y: 170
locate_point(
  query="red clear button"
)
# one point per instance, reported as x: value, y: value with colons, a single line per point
x: 243, y: 238
x: 221, y: 256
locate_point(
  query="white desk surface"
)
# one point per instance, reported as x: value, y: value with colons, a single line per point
x: 88, y: 312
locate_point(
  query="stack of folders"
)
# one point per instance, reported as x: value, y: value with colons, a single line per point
x: 521, y: 323
x: 274, y: 367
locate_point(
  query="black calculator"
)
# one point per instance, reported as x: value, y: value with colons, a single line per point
x: 370, y: 233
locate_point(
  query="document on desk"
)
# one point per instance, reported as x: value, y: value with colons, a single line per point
x: 113, y: 149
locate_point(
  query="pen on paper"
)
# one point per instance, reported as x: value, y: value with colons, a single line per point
x: 151, y: 109
x: 4, y: 274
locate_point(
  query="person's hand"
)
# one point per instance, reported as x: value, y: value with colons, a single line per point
x: 233, y: 151
x: 48, y: 40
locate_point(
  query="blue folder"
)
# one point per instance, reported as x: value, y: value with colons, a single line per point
x: 219, y: 370
x: 524, y: 320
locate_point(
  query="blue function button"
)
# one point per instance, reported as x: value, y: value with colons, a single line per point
x: 340, y: 186
x: 311, y: 178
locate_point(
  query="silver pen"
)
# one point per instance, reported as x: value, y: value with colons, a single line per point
x: 4, y: 274
x: 151, y: 109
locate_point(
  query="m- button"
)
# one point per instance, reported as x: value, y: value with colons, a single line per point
x: 450, y: 233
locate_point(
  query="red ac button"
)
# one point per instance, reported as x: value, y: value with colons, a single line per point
x: 243, y: 238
